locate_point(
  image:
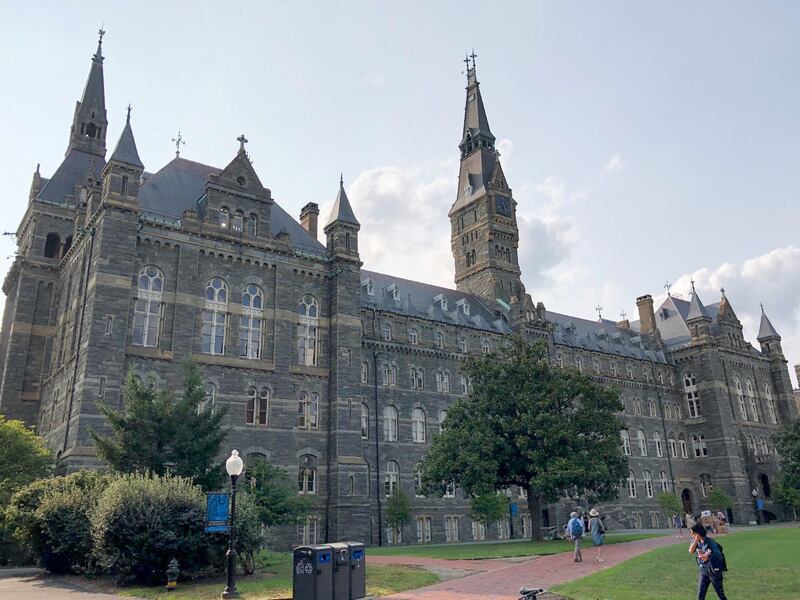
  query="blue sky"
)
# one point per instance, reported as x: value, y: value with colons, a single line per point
x: 643, y: 142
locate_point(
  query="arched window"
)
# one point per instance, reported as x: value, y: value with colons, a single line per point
x: 442, y: 417
x: 642, y: 442
x: 250, y: 322
x: 224, y: 217
x: 485, y: 347
x: 419, y: 491
x: 52, y: 246
x: 660, y: 377
x: 308, y: 411
x: 673, y: 446
x: 257, y: 409
x: 147, y: 308
x: 663, y: 481
x: 659, y: 445
x: 386, y: 332
x: 682, y: 446
x: 699, y: 446
x: 771, y: 410
x: 631, y: 485
x: 626, y: 442
x: 751, y: 397
x: 364, y: 422
x: 209, y: 399
x: 648, y: 484
x: 392, y: 478
x: 464, y: 384
x: 215, y: 313
x: 764, y: 445
x: 238, y: 221
x: 596, y: 366
x: 412, y: 336
x: 614, y: 369
x: 252, y: 226
x: 678, y: 411
x: 579, y: 364
x: 740, y: 398
x: 364, y: 372
x: 462, y: 345
x: 417, y: 379
x: 629, y: 371
x: 652, y: 408
x: 307, y: 475
x: 418, y: 425
x: 692, y: 396
x: 307, y: 329
x: 390, y: 424
x: 438, y: 340
x: 751, y: 445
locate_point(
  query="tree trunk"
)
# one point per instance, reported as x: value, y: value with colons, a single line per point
x: 535, y: 511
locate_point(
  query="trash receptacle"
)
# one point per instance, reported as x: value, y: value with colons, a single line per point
x: 313, y: 573
x: 341, y: 571
x: 358, y: 572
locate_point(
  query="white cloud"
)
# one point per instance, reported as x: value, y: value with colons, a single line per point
x: 614, y: 165
x: 375, y: 80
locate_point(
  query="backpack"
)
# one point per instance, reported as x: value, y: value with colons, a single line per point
x: 717, y: 558
x: 576, y: 529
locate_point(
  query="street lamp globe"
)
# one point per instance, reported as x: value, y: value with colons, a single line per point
x: 234, y: 464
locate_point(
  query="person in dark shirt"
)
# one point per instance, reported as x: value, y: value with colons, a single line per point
x: 709, y: 562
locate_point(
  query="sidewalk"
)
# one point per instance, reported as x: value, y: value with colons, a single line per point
x: 45, y: 587
x: 501, y: 579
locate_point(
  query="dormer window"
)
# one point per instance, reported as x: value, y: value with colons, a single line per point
x: 395, y: 292
x: 442, y: 301
x: 464, y: 305
x: 370, y: 287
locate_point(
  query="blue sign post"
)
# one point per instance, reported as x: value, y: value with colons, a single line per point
x: 514, y: 509
x: 217, y: 512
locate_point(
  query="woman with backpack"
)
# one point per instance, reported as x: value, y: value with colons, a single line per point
x: 710, y: 561
x: 597, y: 530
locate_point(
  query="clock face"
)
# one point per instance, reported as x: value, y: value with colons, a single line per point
x: 503, y: 205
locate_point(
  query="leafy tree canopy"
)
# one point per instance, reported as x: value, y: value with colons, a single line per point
x: 398, y: 510
x: 550, y: 431
x: 669, y: 502
x: 160, y: 434
x: 719, y: 500
x: 787, y: 445
x: 275, y: 496
x: 23, y: 458
x: 488, y: 508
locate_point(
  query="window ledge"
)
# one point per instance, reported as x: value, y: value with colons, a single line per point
x: 308, y: 370
x: 149, y: 352
x: 242, y: 363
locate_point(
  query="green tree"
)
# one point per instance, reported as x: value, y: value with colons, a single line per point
x: 787, y: 445
x: 23, y: 458
x: 157, y: 433
x: 669, y: 502
x: 275, y: 496
x: 788, y: 497
x: 550, y: 431
x: 397, y: 513
x: 488, y: 508
x: 719, y: 500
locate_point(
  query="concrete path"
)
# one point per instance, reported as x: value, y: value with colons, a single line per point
x: 36, y: 587
x: 501, y: 579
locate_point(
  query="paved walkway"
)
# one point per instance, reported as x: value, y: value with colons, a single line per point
x: 44, y: 587
x: 501, y: 579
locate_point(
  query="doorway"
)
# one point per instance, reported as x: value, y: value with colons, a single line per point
x: 686, y: 499
x: 766, y: 488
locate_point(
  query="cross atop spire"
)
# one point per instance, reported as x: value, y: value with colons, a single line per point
x: 599, y: 309
x: 242, y: 141
x: 100, y: 33
x: 128, y: 117
x: 623, y: 314
x: 668, y: 287
x: 692, y: 282
x: 473, y: 56
x: 178, y: 141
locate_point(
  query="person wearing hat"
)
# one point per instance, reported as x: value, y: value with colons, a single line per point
x: 598, y: 531
x: 710, y: 562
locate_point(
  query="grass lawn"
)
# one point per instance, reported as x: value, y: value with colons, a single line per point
x: 381, y: 581
x: 761, y: 564
x: 495, y: 549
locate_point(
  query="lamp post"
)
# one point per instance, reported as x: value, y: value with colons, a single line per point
x: 233, y: 466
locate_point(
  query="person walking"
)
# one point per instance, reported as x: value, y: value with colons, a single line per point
x: 597, y: 530
x: 678, y: 523
x: 575, y: 533
x: 710, y: 562
x: 690, y: 522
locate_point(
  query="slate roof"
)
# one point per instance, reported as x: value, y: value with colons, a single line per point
x: 126, y: 151
x: 765, y: 329
x: 417, y: 299
x: 178, y: 185
x: 71, y: 171
x: 696, y: 308
x: 601, y: 336
x: 342, y: 211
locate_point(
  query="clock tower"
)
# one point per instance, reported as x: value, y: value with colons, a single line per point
x: 483, y: 225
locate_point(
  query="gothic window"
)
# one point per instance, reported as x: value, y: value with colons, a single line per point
x: 631, y: 485
x: 637, y: 407
x: 614, y: 369
x: 699, y: 446
x: 579, y: 364
x: 659, y: 445
x: 209, y: 399
x: 250, y: 322
x: 682, y: 445
x: 418, y: 425
x: 238, y: 221
x: 692, y: 396
x: 663, y: 481
x: 307, y: 331
x: 412, y: 336
x: 364, y: 422
x: 751, y: 397
x: 386, y: 332
x: 560, y: 360
x: 442, y: 417
x: 450, y: 490
x: 646, y: 374
x: 390, y: 424
x: 147, y: 308
x: 652, y: 408
x: 438, y: 381
x: 252, y: 226
x: 485, y: 347
x: 224, y: 217
x: 308, y: 411
x: 389, y: 375
x: 648, y: 484
x: 668, y: 411
x: 417, y: 379
x: 771, y: 410
x: 391, y: 479
x: 438, y: 340
x: 740, y: 398
x: 307, y: 476
x: 629, y: 371
x: 626, y: 442
x: 596, y: 366
x: 764, y: 445
x: 419, y: 490
x: 451, y: 528
x: 257, y: 409
x: 364, y: 372
x: 462, y: 345
x: 660, y: 377
x: 52, y: 246
x: 446, y: 382
x: 464, y: 384
x: 642, y: 442
x: 678, y: 412
x: 307, y: 532
x: 423, y: 530
x: 673, y: 446
x: 215, y: 314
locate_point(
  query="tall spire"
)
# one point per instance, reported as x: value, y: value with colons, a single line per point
x: 89, y: 123
x: 766, y: 331
x: 342, y: 212
x: 125, y: 151
x: 696, y: 308
x: 476, y: 132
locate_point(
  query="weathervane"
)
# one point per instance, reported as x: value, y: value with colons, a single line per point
x: 599, y: 309
x: 668, y: 287
x: 178, y: 141
x: 692, y: 282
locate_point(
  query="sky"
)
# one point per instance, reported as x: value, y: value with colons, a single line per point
x: 645, y: 143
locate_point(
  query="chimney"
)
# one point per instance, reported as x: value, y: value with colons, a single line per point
x: 647, y: 318
x: 308, y: 218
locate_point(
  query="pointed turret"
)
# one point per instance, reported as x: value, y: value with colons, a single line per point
x: 697, y: 319
x: 697, y: 309
x: 342, y: 228
x: 766, y: 331
x: 125, y: 151
x: 89, y: 122
x: 725, y: 311
x: 476, y: 132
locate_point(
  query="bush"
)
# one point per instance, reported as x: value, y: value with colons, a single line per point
x: 143, y: 522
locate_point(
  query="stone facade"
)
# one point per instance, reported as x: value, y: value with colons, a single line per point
x: 342, y: 375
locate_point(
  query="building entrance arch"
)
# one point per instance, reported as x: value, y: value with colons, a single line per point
x: 686, y: 499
